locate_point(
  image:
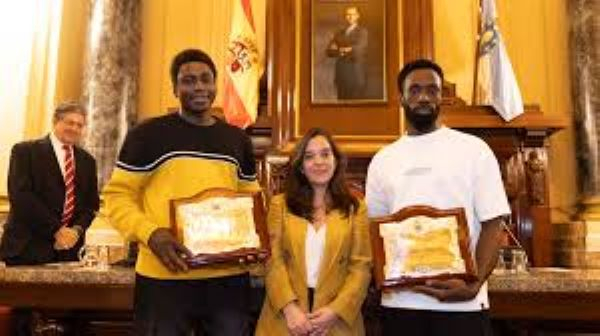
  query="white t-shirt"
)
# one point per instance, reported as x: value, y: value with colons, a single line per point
x: 443, y: 169
x: 314, y: 245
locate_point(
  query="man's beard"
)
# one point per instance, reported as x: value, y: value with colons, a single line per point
x: 422, y: 117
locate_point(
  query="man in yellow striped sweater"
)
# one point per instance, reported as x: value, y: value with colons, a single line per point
x: 174, y: 156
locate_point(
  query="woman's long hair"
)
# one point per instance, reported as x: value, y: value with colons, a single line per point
x: 299, y: 193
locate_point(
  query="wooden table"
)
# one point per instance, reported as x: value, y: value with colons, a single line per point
x: 100, y: 302
x: 551, y: 296
x: 547, y: 294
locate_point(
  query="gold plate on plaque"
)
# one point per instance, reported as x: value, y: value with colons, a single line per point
x: 221, y: 226
x: 419, y: 243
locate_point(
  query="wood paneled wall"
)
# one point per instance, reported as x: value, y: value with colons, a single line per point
x: 535, y: 32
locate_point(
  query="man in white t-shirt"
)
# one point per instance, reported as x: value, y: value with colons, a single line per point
x: 443, y: 168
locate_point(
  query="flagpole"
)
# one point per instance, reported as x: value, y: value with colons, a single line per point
x: 477, y: 53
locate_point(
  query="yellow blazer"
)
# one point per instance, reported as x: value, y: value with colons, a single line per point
x: 343, y: 278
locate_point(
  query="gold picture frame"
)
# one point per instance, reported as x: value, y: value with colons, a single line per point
x: 348, y: 51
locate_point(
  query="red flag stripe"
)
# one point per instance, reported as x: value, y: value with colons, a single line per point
x: 240, y: 117
x: 247, y: 6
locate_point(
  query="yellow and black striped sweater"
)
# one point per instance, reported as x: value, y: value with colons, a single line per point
x: 168, y: 158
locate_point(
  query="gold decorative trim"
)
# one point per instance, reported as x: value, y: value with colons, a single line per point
x: 591, y: 210
x: 4, y: 205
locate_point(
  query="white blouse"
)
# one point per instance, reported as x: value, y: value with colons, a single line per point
x: 315, y: 245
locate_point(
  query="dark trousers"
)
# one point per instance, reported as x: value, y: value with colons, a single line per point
x: 435, y: 323
x: 217, y: 306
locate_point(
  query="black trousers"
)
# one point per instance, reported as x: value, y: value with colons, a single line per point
x: 435, y: 323
x: 217, y: 306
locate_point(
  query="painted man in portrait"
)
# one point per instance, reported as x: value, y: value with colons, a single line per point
x: 349, y: 46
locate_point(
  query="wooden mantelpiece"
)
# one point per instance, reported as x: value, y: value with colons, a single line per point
x: 468, y: 117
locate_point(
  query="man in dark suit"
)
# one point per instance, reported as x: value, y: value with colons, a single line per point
x: 349, y: 45
x: 53, y: 193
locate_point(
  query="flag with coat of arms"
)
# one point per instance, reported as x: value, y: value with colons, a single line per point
x: 243, y: 68
x: 495, y: 81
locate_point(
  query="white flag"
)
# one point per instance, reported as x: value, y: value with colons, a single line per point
x: 496, y: 84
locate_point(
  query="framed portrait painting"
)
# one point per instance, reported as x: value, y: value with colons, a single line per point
x: 306, y: 42
x: 348, y: 51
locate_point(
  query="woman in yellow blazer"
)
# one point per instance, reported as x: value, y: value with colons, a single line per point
x: 319, y: 270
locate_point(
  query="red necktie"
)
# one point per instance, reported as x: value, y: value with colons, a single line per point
x: 69, y: 206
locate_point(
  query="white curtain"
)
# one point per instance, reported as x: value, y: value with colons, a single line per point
x: 29, y: 36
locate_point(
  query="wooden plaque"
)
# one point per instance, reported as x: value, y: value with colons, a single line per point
x: 221, y: 226
x: 419, y: 243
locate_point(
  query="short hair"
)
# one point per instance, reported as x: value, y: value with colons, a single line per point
x: 68, y: 107
x: 351, y: 7
x: 188, y: 56
x: 416, y: 65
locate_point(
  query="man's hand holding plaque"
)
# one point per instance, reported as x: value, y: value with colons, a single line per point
x: 221, y: 226
x: 421, y: 245
x: 171, y: 253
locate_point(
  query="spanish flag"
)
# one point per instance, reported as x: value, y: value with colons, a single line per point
x: 495, y: 82
x: 243, y: 68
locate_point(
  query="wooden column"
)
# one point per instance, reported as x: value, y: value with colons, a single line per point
x: 417, y: 24
x: 281, y: 19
